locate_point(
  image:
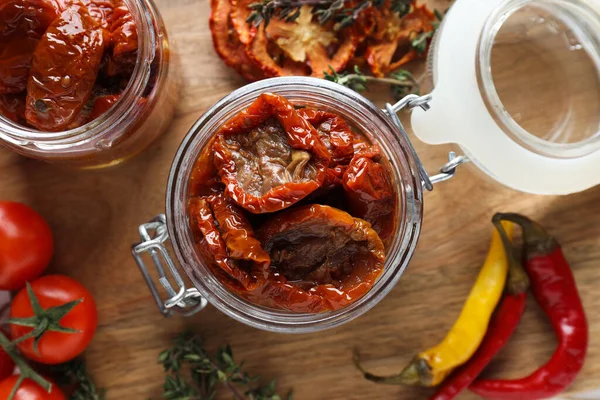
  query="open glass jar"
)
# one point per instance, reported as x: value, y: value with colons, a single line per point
x: 316, y: 93
x: 143, y: 112
x: 468, y: 106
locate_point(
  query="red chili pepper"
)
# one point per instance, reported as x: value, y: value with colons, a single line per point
x: 501, y: 327
x: 554, y: 289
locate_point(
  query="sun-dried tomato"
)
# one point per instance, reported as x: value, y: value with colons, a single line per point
x: 28, y: 17
x: 12, y: 106
x: 334, y: 132
x: 64, y: 69
x: 268, y: 156
x: 100, y: 10
x: 15, y: 62
x: 302, y: 47
x: 390, y: 44
x: 102, y: 104
x: 230, y: 239
x: 228, y: 43
x: 204, y: 178
x: 240, y: 12
x: 370, y: 193
x: 320, y: 251
x: 123, y: 40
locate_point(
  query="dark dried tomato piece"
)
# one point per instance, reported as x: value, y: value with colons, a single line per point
x: 12, y: 106
x: 230, y: 238
x: 100, y: 10
x: 370, y: 193
x: 204, y: 178
x: 123, y: 40
x: 302, y: 47
x: 269, y: 157
x: 323, y: 252
x: 102, y: 104
x: 390, y: 46
x: 65, y: 66
x: 334, y: 132
x: 28, y: 17
x: 228, y: 43
x: 15, y: 62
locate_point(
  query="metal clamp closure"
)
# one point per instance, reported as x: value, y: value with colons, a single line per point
x: 181, y: 300
x: 449, y: 169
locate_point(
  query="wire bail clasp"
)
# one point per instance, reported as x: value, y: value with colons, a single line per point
x: 449, y: 169
x: 181, y: 300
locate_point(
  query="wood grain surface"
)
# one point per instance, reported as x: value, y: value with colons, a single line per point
x: 95, y: 215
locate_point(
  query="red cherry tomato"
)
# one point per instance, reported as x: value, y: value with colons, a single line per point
x: 56, y: 347
x: 29, y: 390
x: 26, y: 245
x: 7, y: 366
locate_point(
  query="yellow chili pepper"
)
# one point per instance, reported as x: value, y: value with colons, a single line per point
x: 430, y: 367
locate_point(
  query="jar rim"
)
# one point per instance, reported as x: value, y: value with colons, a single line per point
x: 407, y: 231
x: 143, y: 13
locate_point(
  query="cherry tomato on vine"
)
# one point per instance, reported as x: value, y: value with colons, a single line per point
x: 29, y: 390
x: 7, y: 366
x: 26, y: 245
x: 66, y: 307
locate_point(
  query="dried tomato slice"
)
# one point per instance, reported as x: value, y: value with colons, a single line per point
x: 100, y: 10
x: 302, y: 47
x: 65, y: 66
x: 390, y: 44
x: 334, y: 132
x: 268, y: 156
x: 12, y: 106
x: 204, y: 178
x: 230, y: 239
x: 15, y: 62
x: 323, y: 252
x: 123, y: 40
x: 370, y: 193
x: 102, y: 104
x: 240, y: 12
x: 228, y: 43
x: 29, y: 17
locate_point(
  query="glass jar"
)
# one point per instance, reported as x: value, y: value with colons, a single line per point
x: 316, y: 93
x: 143, y: 112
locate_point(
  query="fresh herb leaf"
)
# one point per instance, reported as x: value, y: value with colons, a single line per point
x: 74, y: 375
x: 194, y: 374
x: 401, y: 82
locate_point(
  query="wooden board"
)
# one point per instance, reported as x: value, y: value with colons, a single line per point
x: 95, y: 216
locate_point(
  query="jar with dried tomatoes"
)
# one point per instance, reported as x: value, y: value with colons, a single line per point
x: 291, y: 210
x: 97, y: 96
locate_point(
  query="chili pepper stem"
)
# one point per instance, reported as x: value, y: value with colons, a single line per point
x: 536, y: 237
x: 26, y: 371
x: 417, y: 373
x: 518, y: 281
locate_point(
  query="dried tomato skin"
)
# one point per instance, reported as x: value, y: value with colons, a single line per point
x: 123, y: 40
x: 229, y: 44
x: 28, y: 17
x: 64, y: 69
x: 12, y: 106
x: 370, y: 193
x: 386, y: 42
x: 230, y: 238
x: 300, y: 135
x: 308, y: 221
x: 15, y: 62
x: 100, y: 10
x: 340, y: 139
x: 102, y: 104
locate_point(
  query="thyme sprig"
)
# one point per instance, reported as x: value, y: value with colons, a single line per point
x: 74, y: 375
x: 193, y: 374
x: 402, y: 82
x: 343, y: 12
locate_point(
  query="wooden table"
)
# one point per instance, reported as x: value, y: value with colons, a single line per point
x: 95, y: 215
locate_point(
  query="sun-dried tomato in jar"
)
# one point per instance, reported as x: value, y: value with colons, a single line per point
x: 75, y: 63
x: 279, y: 207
